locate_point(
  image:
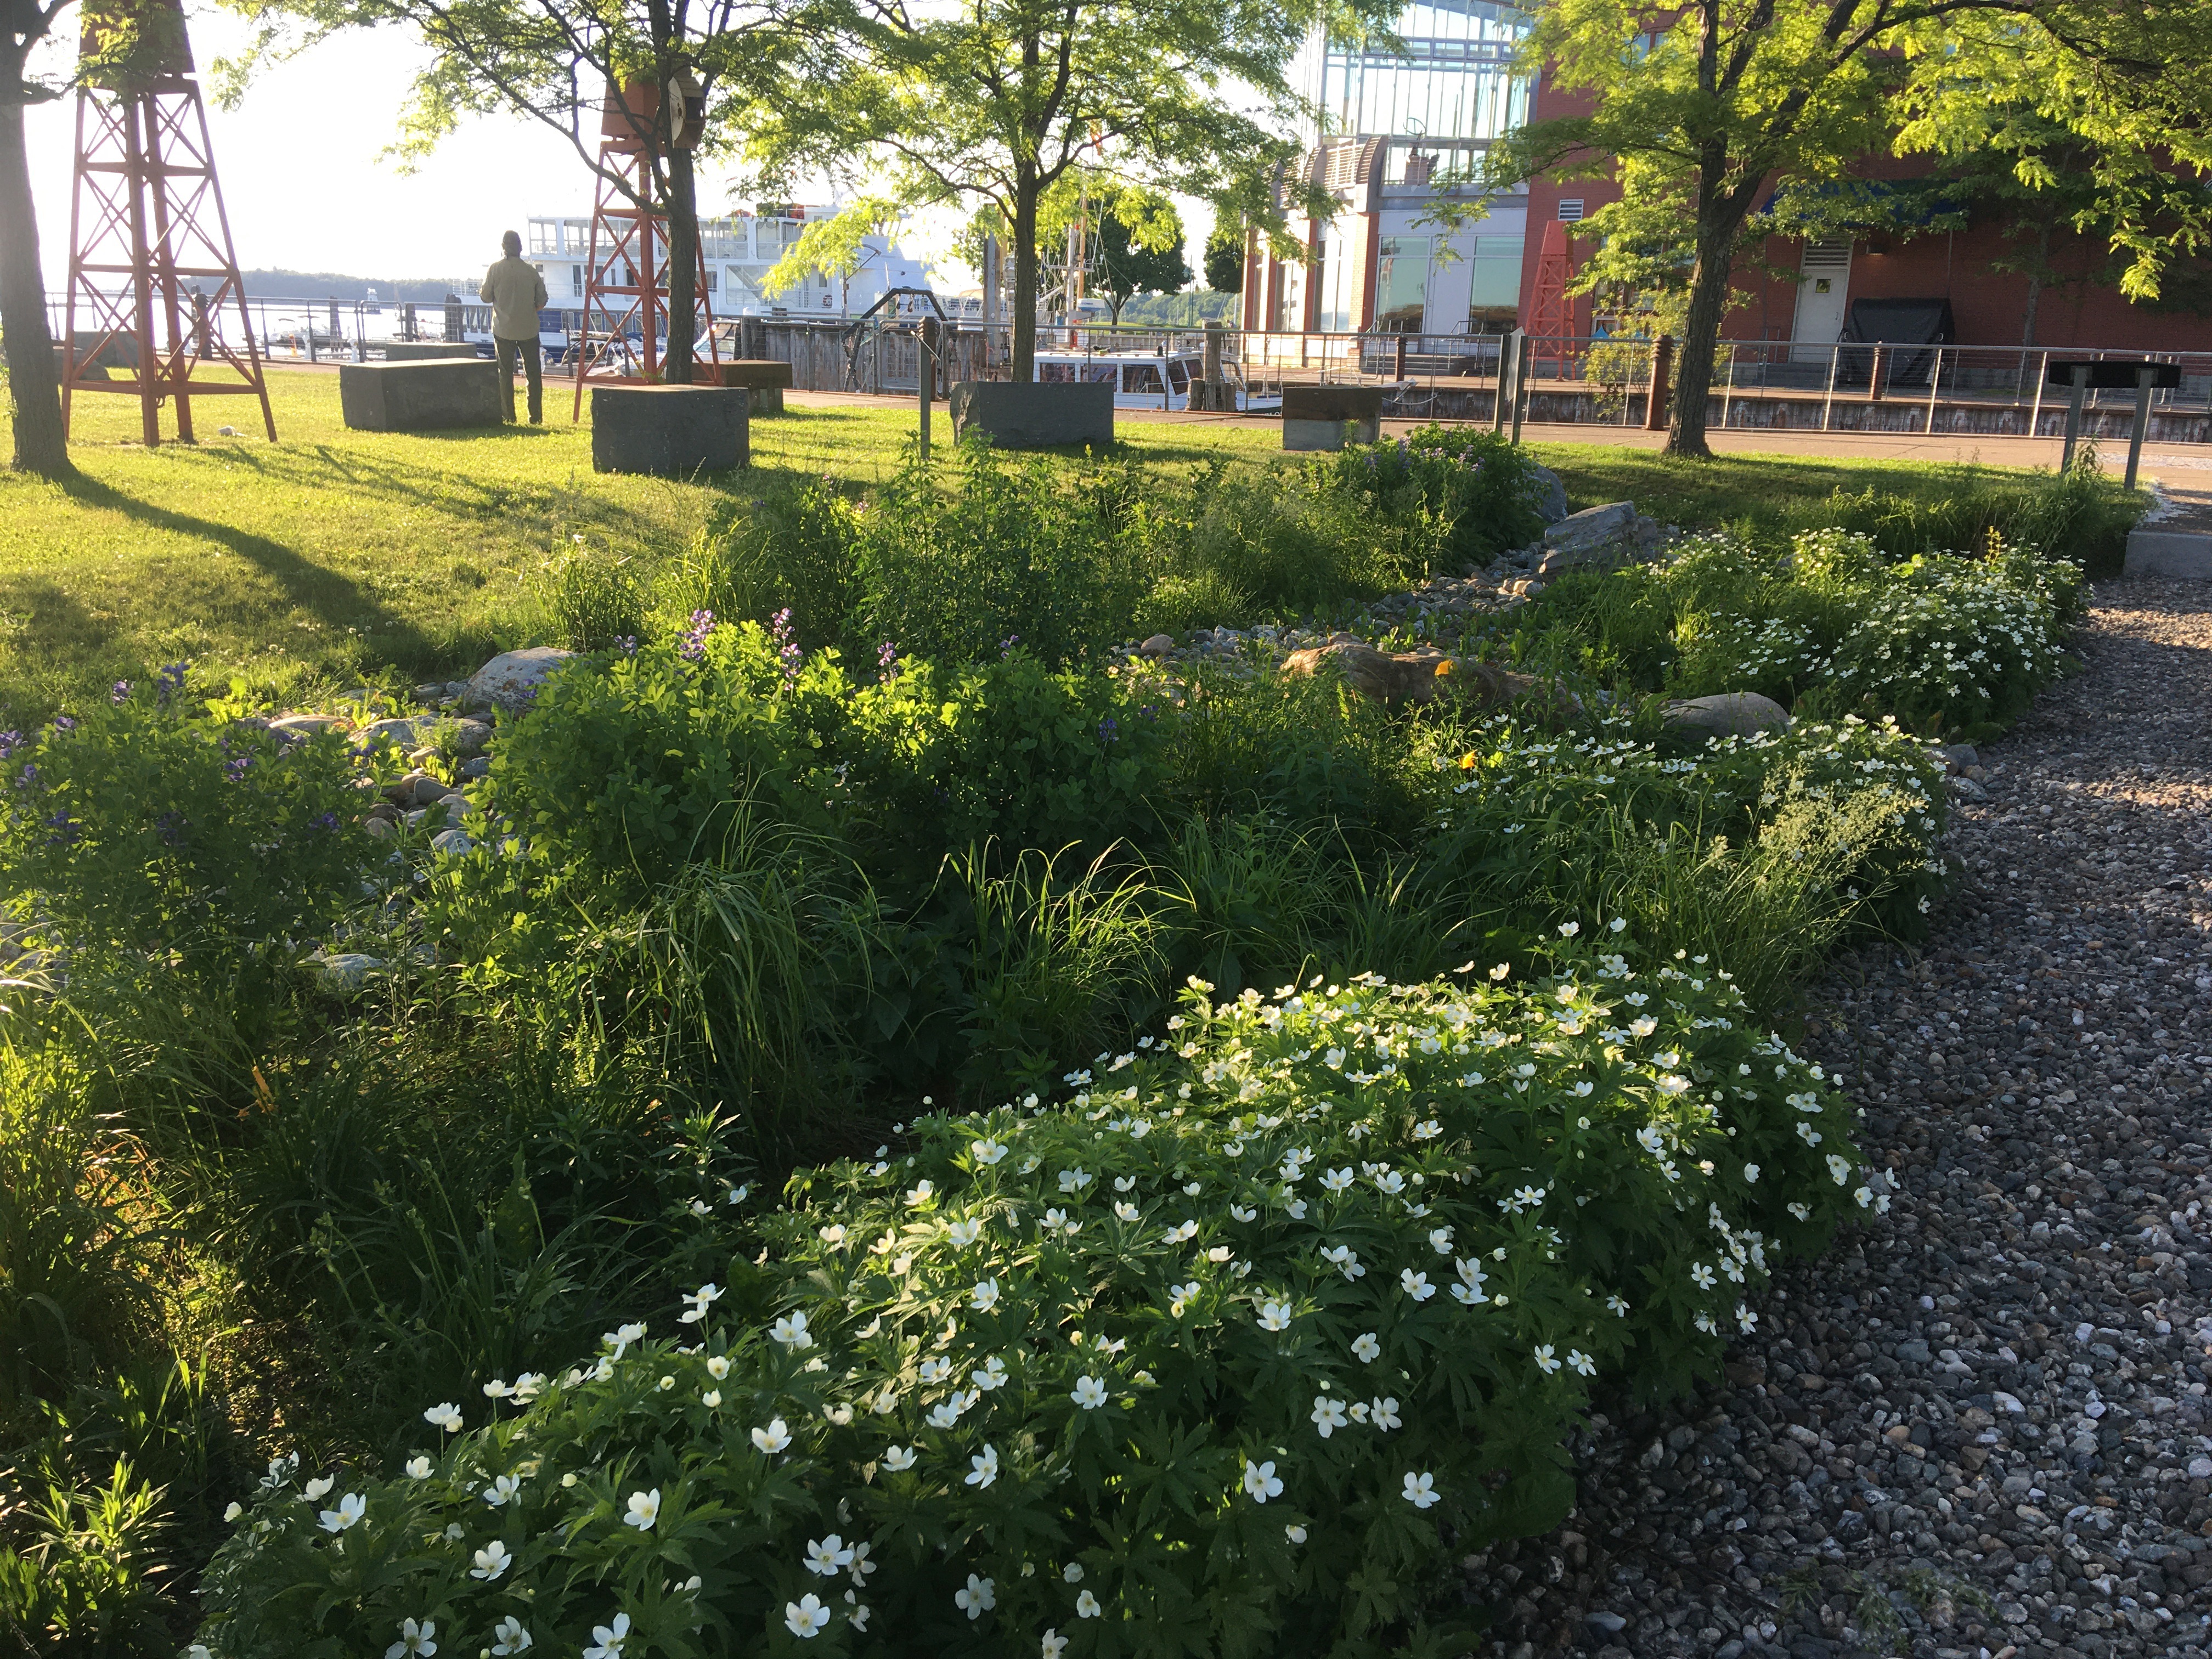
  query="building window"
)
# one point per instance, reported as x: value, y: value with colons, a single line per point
x: 1571, y: 210
x: 1401, y: 285
x: 1494, y: 296
x: 575, y: 279
x: 1290, y: 305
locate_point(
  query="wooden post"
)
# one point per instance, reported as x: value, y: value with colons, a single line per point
x: 1662, y: 373
x: 1210, y: 397
x: 925, y: 374
x: 1398, y: 366
x: 2079, y: 389
x: 1523, y: 350
x: 1874, y: 380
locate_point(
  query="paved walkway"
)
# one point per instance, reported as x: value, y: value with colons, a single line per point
x: 1978, y: 1428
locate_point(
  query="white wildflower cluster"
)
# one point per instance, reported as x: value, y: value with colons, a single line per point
x: 1227, y: 1264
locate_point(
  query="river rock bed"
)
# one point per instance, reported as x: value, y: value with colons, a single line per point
x: 1977, y: 1428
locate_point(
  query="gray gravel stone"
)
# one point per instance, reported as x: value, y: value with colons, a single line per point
x: 1980, y: 1426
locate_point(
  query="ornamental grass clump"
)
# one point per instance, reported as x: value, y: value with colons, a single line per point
x: 1231, y: 1348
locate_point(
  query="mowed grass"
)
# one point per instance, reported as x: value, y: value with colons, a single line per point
x: 331, y: 556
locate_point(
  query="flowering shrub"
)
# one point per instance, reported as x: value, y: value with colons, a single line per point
x: 162, y: 825
x: 1479, y: 484
x: 1943, y: 642
x: 1224, y: 1351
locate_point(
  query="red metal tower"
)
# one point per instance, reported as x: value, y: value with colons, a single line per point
x: 1550, y: 312
x: 628, y: 261
x: 146, y: 228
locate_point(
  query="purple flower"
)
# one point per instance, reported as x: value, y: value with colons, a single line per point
x: 28, y: 777
x: 170, y: 826
x: 233, y: 770
x: 171, y: 681
x: 326, y: 822
x: 121, y: 694
x: 63, y: 829
x: 692, y: 645
x: 1006, y: 646
x: 1110, y: 730
x: 10, y: 743
x: 786, y: 648
x: 65, y: 723
x: 627, y: 644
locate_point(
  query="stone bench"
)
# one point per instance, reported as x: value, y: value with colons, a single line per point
x: 2169, y: 553
x: 1328, y: 416
x: 427, y: 351
x: 1037, y: 415
x: 670, y: 431
x: 767, y: 378
x: 420, y: 397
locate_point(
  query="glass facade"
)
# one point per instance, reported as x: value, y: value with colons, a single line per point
x: 1454, y: 79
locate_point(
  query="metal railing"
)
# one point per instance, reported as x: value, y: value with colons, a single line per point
x: 1995, y: 392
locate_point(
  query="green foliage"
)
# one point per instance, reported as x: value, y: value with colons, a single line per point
x: 1225, y: 259
x: 1056, y: 1371
x: 80, y: 1572
x: 1475, y: 482
x: 151, y: 825
x: 594, y: 602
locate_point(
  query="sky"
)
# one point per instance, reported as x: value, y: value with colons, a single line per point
x: 306, y: 190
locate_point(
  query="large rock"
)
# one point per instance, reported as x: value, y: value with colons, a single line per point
x: 1035, y: 415
x: 1546, y: 495
x: 1615, y: 533
x: 670, y: 431
x: 509, y: 683
x: 1729, y: 714
x: 1418, y: 676
x: 420, y: 397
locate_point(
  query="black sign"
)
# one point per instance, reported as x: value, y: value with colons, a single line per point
x: 2113, y: 374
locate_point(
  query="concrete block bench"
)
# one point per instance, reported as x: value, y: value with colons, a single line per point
x: 428, y: 351
x: 420, y: 397
x: 767, y: 378
x: 2169, y: 553
x: 670, y: 431
x: 1038, y: 415
x: 1328, y: 416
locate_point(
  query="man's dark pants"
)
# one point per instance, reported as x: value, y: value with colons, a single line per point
x: 533, y: 361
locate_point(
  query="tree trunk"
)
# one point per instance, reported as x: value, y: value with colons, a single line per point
x: 1026, y: 191
x: 41, y: 445
x: 682, y: 266
x: 1701, y: 333
x: 2035, y: 280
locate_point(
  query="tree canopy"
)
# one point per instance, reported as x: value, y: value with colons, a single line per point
x: 996, y: 101
x: 1705, y: 114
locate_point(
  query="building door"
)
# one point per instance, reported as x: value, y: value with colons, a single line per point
x: 1823, y: 286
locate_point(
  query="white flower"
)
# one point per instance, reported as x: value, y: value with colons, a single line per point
x: 236, y: 1508
x: 1365, y: 1348
x: 513, y: 1639
x: 1567, y: 930
x: 609, y: 1638
x: 898, y: 1457
x: 492, y: 1560
x: 805, y: 1618
x: 991, y: 1375
x: 988, y: 1153
x: 1056, y: 1644
x: 985, y: 1296
x: 1745, y: 1319
x: 1090, y: 1393
x: 1261, y: 1482
x: 1642, y: 1025
x: 718, y: 1367
x: 1440, y: 1240
x: 964, y: 1234
x: 700, y: 1300
x: 933, y: 1372
x: 1125, y: 1212
x: 1545, y: 1362
x: 1417, y: 1285
x: 772, y: 1439
x: 644, y: 1510
x: 1296, y: 1535
x: 1336, y: 1181
x: 1383, y: 1412
x: 1670, y: 1084
x: 1176, y: 1235
x: 1334, y: 1060
x: 1808, y: 1133
x: 623, y: 1336
x: 946, y: 1413
x: 414, y: 1638
x: 983, y: 1468
x: 444, y: 1415
x: 1701, y: 1276
x: 979, y: 1598
x: 1328, y: 1415
x: 711, y: 1399
x: 1238, y: 1212
x: 1840, y: 1168
x: 1421, y: 1490
x: 920, y: 1193
x: 791, y: 1330
x: 1074, y: 1181
x: 1802, y: 1212
x: 1751, y: 1172
x: 1580, y: 1363
x: 350, y: 1509
x: 1275, y: 1315
x: 1345, y: 1259
x: 827, y: 1556
x: 316, y: 1488
x: 1500, y: 971
x: 1086, y: 1605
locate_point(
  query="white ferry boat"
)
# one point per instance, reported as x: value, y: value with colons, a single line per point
x: 1149, y: 380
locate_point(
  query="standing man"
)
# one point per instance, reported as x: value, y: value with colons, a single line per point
x: 516, y: 294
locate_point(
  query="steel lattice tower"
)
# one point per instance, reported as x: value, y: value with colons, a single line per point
x: 148, y: 229
x: 626, y: 265
x: 1550, y: 312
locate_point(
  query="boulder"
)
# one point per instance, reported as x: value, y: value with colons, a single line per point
x: 1615, y: 533
x: 1158, y: 645
x: 406, y: 731
x: 345, y: 972
x: 509, y: 681
x: 1729, y: 714
x: 1417, y: 676
x: 470, y: 738
x: 308, y: 725
x: 1546, y: 495
x: 451, y: 843
x: 427, y: 397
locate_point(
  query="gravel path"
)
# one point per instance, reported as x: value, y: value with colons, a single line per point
x: 1980, y: 1429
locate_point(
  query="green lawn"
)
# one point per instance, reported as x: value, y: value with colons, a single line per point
x: 333, y: 554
